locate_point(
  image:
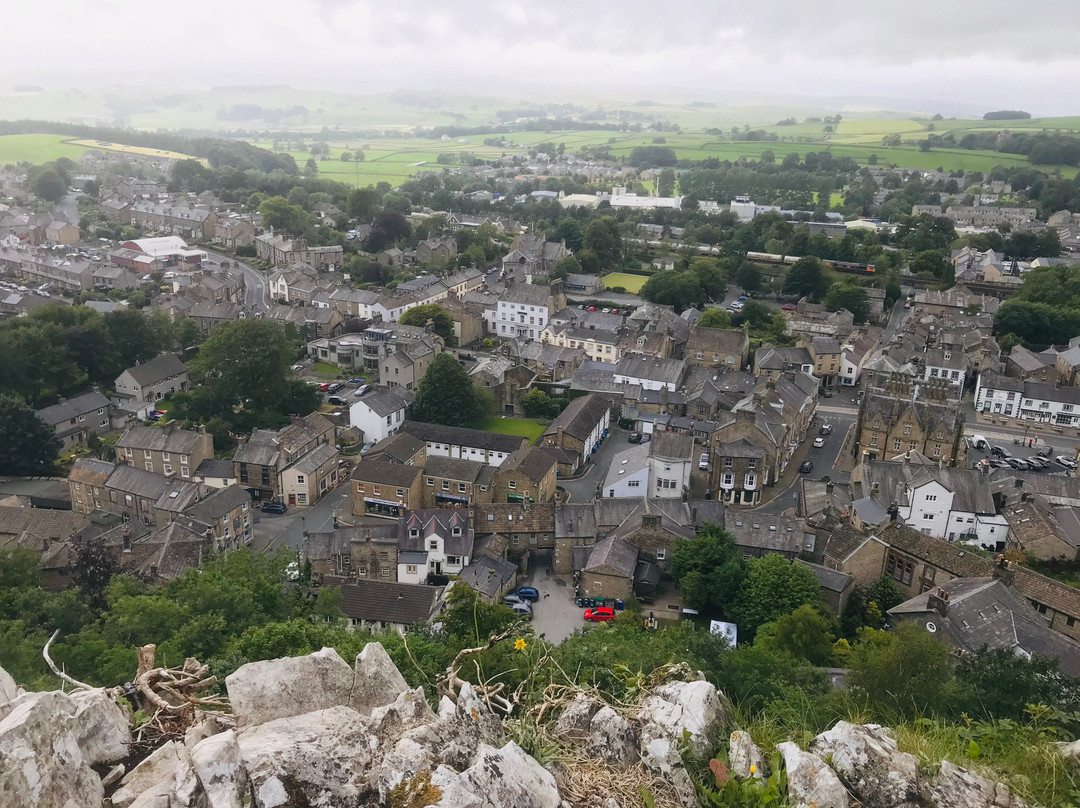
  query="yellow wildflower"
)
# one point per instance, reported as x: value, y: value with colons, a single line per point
x: 519, y: 644
x: 753, y: 768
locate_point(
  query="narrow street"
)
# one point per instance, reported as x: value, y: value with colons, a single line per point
x: 255, y: 286
x: 273, y: 532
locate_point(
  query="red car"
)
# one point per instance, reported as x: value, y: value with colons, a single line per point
x: 601, y: 614
x: 324, y: 386
x: 788, y: 307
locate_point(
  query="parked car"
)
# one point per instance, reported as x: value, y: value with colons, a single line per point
x: 297, y: 368
x: 1035, y: 460
x: 703, y: 461
x: 510, y: 599
x: 274, y: 507
x: 529, y: 593
x: 788, y: 307
x: 819, y: 442
x: 1045, y: 451
x: 1066, y: 461
x: 736, y: 305
x: 337, y: 401
x: 997, y: 451
x: 826, y: 393
x: 324, y: 387
x: 522, y: 609
x: 635, y: 437
x: 743, y: 297
x: 334, y: 387
x: 1019, y: 464
x: 997, y: 463
x: 806, y: 467
x: 601, y: 614
x: 362, y: 390
x: 826, y: 429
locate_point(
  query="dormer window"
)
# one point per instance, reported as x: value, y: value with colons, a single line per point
x: 414, y: 533
x: 456, y: 531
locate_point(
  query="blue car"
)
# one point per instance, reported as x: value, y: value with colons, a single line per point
x: 525, y: 593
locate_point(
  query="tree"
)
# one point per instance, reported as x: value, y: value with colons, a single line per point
x: 131, y: 337
x: 804, y: 634
x: 709, y: 570
x: 774, y: 587
x: 387, y: 228
x: 715, y: 318
x: 441, y: 321
x: 538, y: 404
x: 929, y: 262
x: 850, y: 296
x: 755, y: 313
x: 806, y: 278
x: 665, y: 183
x: 93, y: 568
x: 603, y: 239
x: 672, y: 288
x: 906, y: 670
x: 46, y: 183
x: 445, y: 394
x: 748, y: 277
x: 28, y: 446
x: 363, y: 203
x: 278, y: 213
x: 569, y: 230
x: 346, y: 156
x: 242, y: 375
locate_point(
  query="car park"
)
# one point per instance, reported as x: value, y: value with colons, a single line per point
x: 806, y: 467
x: 599, y: 614
x: 1066, y: 461
x: 274, y: 507
x: 819, y: 442
x: 635, y: 437
x: 826, y: 429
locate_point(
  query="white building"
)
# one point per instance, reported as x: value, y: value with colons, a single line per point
x: 659, y: 468
x: 1027, y: 401
x: 628, y: 474
x: 650, y: 373
x: 378, y: 414
x: 522, y: 311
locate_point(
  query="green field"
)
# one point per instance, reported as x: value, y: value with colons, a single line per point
x: 37, y: 149
x: 631, y: 283
x: 514, y: 426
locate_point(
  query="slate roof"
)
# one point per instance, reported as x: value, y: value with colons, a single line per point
x: 952, y: 558
x: 842, y: 542
x: 261, y: 449
x: 533, y: 461
x: 514, y: 517
x: 156, y: 370
x: 968, y: 486
x: 170, y: 552
x: 91, y: 471
x: 985, y: 612
x: 580, y: 417
x: 158, y: 439
x: 615, y: 554
x: 462, y: 436
x: 671, y: 445
x: 387, y: 602
x: 72, y: 408
x: 215, y: 468
x: 1046, y: 591
x: 312, y: 461
x: 575, y: 520
x: 832, y: 580
x: 741, y: 448
x: 439, y: 522
x: 774, y: 534
x: 639, y: 366
x: 220, y: 503
x: 396, y: 448
x: 487, y: 575
x: 382, y: 473
x: 453, y: 468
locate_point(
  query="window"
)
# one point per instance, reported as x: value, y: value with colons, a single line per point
x: 511, y: 484
x: 896, y: 444
x: 433, y: 544
x: 384, y: 555
x: 301, y: 499
x: 456, y: 531
x: 414, y: 533
x: 727, y: 479
x: 401, y: 493
x: 166, y: 469
x: 410, y: 569
x: 165, y: 456
x: 300, y: 479
x: 752, y: 464
x: 385, y: 572
x: 633, y: 483
x: 461, y: 488
x: 445, y: 485
x: 431, y: 481
x: 661, y: 554
x: 907, y: 429
x: 873, y: 440
x: 727, y: 462
x: 453, y: 560
x: 359, y: 488
x: 149, y: 466
x: 931, y: 497
x: 899, y: 569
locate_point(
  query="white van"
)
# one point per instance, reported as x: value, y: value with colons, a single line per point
x: 978, y: 442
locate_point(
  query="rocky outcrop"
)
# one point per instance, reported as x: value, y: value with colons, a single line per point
x: 869, y: 763
x: 743, y: 754
x: 811, y: 783
x: 955, y: 787
x: 317, y: 731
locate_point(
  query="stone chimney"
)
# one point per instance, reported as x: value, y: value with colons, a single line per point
x: 939, y: 602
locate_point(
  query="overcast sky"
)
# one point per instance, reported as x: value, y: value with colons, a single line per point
x: 988, y: 53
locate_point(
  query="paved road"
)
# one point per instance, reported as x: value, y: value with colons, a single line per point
x: 67, y: 209
x: 896, y: 318
x: 823, y: 458
x: 273, y: 532
x: 256, y: 293
x: 583, y: 489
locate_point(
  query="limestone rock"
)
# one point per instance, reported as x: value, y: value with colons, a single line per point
x: 574, y: 721
x: 869, y: 763
x: 318, y: 758
x: 1070, y: 751
x: 955, y: 787
x: 42, y: 765
x: 164, y: 778
x: 408, y: 711
x: 660, y: 754
x: 8, y: 689
x: 377, y: 681
x: 102, y: 729
x: 811, y: 784
x: 220, y: 770
x: 744, y: 753
x: 695, y: 707
x: 500, y: 777
x: 279, y: 688
x: 611, y: 739
x: 206, y: 725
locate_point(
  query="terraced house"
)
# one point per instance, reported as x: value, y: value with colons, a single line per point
x: 78, y: 419
x: 167, y: 451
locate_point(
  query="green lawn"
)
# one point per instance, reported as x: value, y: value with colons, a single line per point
x: 631, y: 283
x: 326, y: 369
x: 514, y: 426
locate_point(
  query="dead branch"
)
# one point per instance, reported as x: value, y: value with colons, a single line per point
x: 75, y: 683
